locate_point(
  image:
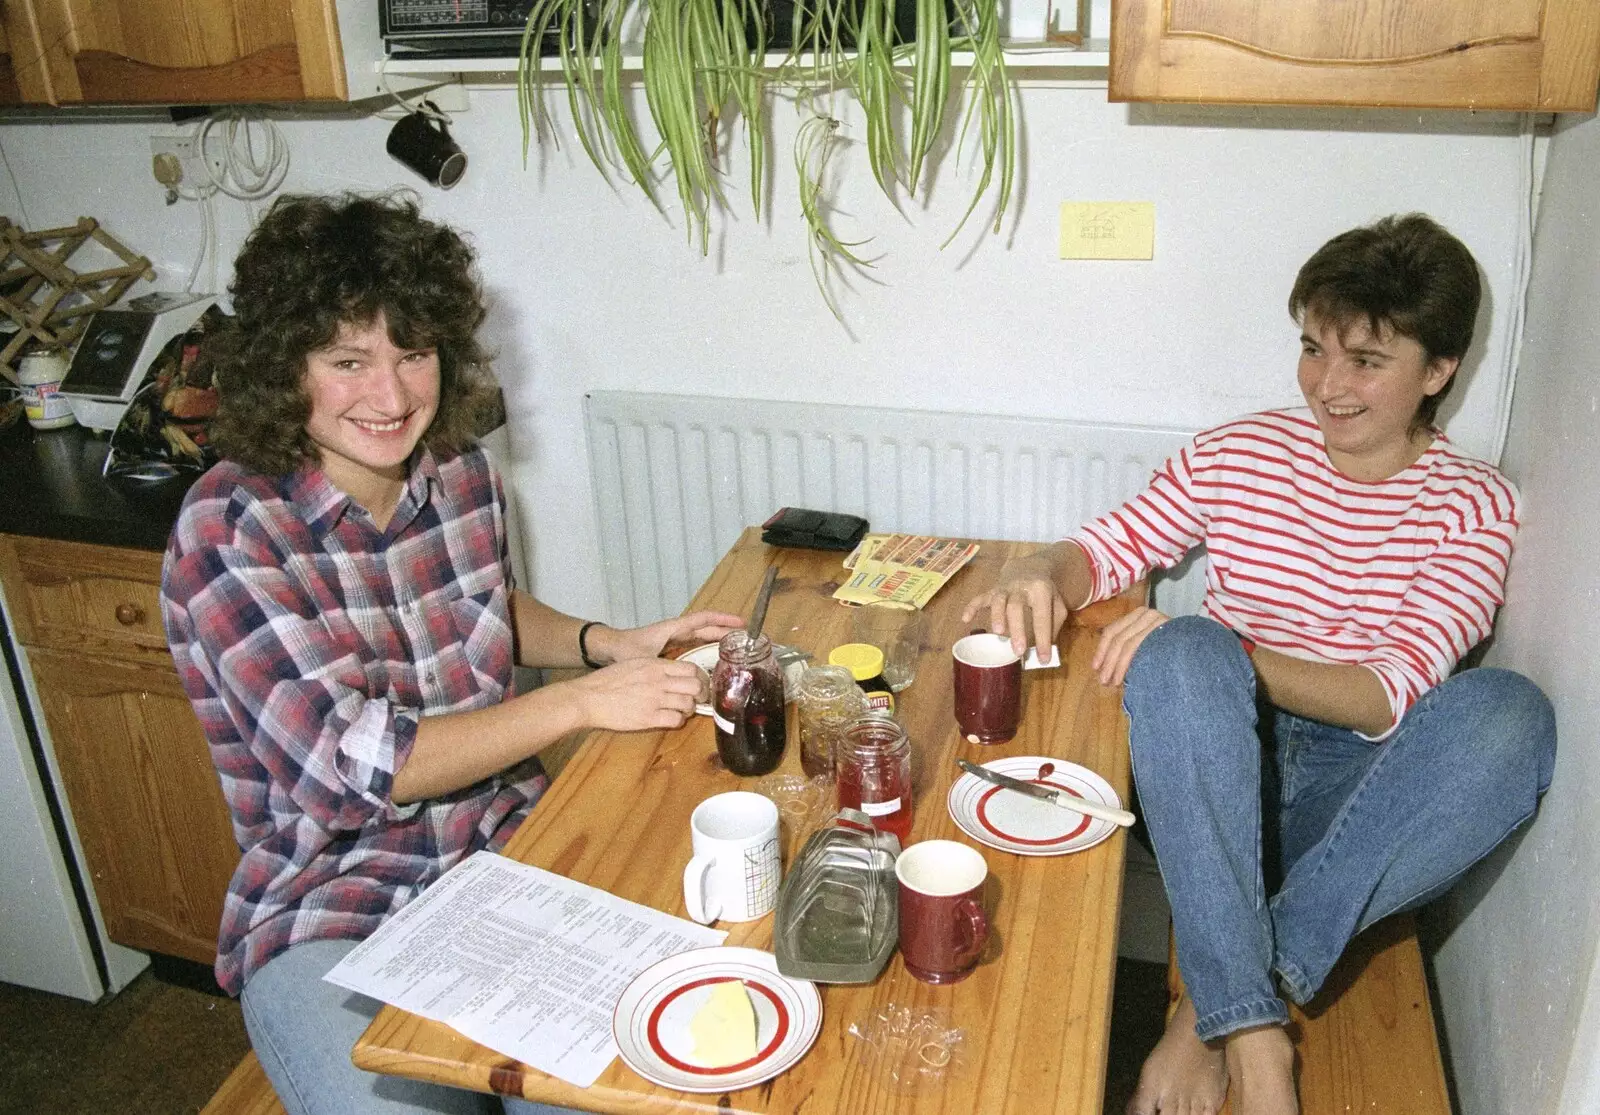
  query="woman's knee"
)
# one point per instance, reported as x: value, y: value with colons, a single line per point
x: 1189, y: 672
x: 1185, y: 650
x: 1501, y: 718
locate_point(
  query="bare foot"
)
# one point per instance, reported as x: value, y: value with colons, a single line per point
x: 1182, y: 1075
x: 1261, y: 1069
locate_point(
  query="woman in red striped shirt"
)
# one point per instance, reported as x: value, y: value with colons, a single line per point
x: 1354, y: 556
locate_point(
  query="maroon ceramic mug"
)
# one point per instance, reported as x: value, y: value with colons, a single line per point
x: 988, y: 685
x: 942, y: 924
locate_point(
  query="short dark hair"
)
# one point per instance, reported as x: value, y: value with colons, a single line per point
x: 1405, y: 273
x: 315, y: 264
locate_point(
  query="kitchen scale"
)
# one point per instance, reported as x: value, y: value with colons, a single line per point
x: 116, y: 350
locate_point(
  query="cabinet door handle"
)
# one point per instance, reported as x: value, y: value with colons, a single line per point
x: 130, y: 615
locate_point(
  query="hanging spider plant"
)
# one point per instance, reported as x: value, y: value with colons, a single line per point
x: 589, y: 36
x: 703, y: 67
x: 814, y: 145
x: 989, y: 103
x: 903, y: 85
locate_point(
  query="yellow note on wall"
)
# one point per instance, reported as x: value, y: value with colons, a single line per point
x: 1108, y: 230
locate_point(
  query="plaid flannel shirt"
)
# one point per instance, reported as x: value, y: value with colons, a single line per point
x: 310, y: 643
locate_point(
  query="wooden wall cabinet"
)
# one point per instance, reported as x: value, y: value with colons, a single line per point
x: 144, y: 796
x: 1533, y: 55
x: 64, y: 52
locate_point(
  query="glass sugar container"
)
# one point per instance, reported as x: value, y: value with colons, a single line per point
x: 829, y: 701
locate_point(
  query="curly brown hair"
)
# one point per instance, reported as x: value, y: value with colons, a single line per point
x: 1405, y: 273
x: 316, y: 263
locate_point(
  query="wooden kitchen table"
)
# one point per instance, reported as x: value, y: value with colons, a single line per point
x: 1037, y: 1009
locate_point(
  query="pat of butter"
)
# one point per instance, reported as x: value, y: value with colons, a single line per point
x: 724, y: 1028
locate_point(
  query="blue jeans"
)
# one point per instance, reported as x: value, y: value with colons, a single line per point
x: 302, y: 1029
x: 1363, y: 829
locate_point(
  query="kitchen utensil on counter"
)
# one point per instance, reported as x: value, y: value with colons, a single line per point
x: 1060, y: 798
x: 1024, y: 825
x: 758, y: 615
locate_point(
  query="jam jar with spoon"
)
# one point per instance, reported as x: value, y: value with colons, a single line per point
x: 747, y: 704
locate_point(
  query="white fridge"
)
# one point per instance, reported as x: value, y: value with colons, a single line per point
x: 50, y: 936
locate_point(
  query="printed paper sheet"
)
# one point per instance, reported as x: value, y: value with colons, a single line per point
x: 524, y: 961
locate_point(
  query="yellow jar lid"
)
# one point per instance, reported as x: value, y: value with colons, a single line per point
x: 863, y: 660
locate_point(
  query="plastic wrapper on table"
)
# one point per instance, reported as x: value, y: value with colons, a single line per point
x: 910, y: 1049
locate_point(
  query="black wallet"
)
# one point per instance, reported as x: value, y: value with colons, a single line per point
x: 813, y: 530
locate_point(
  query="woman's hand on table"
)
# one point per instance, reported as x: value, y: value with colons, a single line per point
x: 611, y: 644
x: 638, y: 694
x: 1118, y: 642
x: 1027, y: 588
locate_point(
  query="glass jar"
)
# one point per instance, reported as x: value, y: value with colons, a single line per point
x: 40, y: 372
x: 830, y: 701
x: 747, y: 704
x: 874, y: 774
x: 865, y: 663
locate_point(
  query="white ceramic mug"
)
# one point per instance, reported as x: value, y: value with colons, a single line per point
x: 735, y: 870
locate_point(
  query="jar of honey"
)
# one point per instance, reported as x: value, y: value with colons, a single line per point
x: 830, y: 701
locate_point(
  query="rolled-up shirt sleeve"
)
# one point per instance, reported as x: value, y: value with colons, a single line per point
x: 1153, y: 530
x: 1448, y: 609
x: 297, y: 695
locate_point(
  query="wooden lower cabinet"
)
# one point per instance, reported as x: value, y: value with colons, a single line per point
x: 138, y: 778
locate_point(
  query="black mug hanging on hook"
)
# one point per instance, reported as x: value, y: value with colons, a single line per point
x: 422, y: 142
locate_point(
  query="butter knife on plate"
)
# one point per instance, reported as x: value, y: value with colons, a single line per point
x: 1055, y: 797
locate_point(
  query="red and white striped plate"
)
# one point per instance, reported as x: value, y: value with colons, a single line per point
x: 1014, y: 822
x: 651, y: 1022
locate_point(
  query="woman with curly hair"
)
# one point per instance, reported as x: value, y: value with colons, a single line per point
x: 338, y: 597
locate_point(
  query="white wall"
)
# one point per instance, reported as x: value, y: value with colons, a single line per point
x: 594, y: 289
x: 1519, y: 976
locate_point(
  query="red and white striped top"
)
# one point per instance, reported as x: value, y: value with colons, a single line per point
x: 1402, y: 576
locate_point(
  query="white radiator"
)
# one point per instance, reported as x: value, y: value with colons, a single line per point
x: 677, y: 477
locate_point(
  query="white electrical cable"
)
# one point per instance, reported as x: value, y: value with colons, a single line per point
x: 15, y: 189
x: 215, y: 243
x: 247, y: 174
x: 1522, y: 271
x: 205, y: 238
x: 422, y: 105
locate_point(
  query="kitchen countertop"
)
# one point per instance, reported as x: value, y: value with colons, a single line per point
x: 53, y: 489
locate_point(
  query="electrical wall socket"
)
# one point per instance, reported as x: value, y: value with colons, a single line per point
x: 184, y: 149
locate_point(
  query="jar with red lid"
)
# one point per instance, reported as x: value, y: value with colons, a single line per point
x: 873, y: 767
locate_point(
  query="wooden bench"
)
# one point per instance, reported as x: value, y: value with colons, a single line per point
x: 1366, y: 1043
x: 247, y: 1091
